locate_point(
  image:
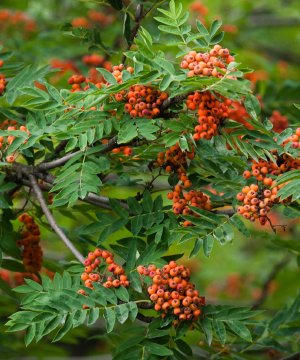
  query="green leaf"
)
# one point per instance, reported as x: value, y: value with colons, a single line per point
x: 158, y: 349
x: 208, y: 243
x: 206, y: 325
x: 30, y: 334
x: 240, y: 329
x: 108, y: 76
x: 122, y: 293
x: 67, y: 326
x: 220, y: 331
x: 239, y: 224
x: 215, y: 26
x: 122, y: 312
x: 184, y: 347
x: 128, y: 131
x: 93, y: 316
x: 110, y: 317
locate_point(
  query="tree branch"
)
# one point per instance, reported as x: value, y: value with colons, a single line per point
x: 51, y: 220
x: 146, y: 319
x: 61, y: 161
x: 265, y: 288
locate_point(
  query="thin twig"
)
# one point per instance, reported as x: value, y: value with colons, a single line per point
x: 51, y: 220
x: 265, y: 288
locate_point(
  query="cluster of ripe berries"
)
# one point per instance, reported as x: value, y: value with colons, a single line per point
x: 294, y: 139
x: 257, y: 201
x: 279, y: 121
x: 2, y: 80
x: 207, y: 64
x: 14, y: 279
x: 211, y: 112
x: 7, y: 140
x: 95, y: 264
x: 175, y: 160
x: 183, y: 200
x: 81, y: 83
x: 32, y: 253
x: 94, y: 18
x: 142, y: 101
x: 172, y: 292
x: 16, y: 20
x: 125, y: 150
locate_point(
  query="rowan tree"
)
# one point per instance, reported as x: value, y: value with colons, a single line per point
x: 168, y: 111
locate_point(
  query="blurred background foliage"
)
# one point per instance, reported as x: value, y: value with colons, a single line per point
x: 265, y: 36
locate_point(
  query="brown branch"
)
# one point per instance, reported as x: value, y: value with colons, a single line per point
x: 61, y: 161
x: 146, y: 319
x: 229, y: 212
x: 265, y: 288
x: 51, y: 220
x: 174, y: 100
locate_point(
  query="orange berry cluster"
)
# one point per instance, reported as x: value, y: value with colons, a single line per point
x: 93, y: 271
x: 81, y: 83
x: 284, y: 163
x: 172, y: 292
x: 94, y: 18
x: 211, y: 113
x: 294, y: 139
x: 15, y: 279
x: 96, y: 60
x: 183, y: 200
x: 207, y: 64
x: 2, y: 83
x: 279, y: 121
x: 257, y: 201
x: 143, y: 101
x: 263, y: 168
x: 16, y: 19
x: 32, y: 253
x: 7, y: 140
x: 64, y: 65
x: 238, y: 113
x: 175, y: 160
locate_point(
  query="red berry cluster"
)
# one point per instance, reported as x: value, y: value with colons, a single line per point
x: 172, y: 292
x: 294, y: 139
x: 2, y: 82
x: 17, y: 20
x: 32, y: 253
x: 211, y: 113
x: 6, y: 123
x: 14, y: 279
x: 257, y: 201
x: 95, y: 60
x: 94, y: 18
x: 183, y: 200
x: 279, y: 121
x: 7, y: 140
x: 262, y: 169
x: 238, y: 113
x: 175, y: 160
x: 81, y: 83
x: 143, y: 101
x: 207, y: 64
x: 93, y: 271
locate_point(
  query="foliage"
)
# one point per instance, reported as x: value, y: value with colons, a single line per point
x: 66, y: 150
